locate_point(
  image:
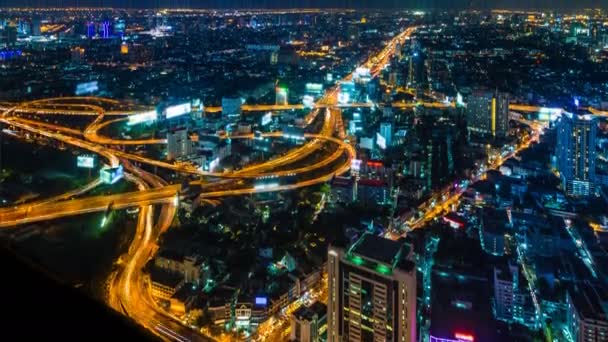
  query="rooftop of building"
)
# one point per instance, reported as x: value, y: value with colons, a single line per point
x: 308, y: 312
x: 378, y: 249
x: 165, y: 278
x: 591, y: 301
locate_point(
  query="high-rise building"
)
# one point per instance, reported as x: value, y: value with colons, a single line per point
x: 587, y: 315
x: 8, y: 36
x: 439, y: 149
x: 416, y: 77
x: 281, y: 97
x: 512, y: 300
x: 372, y: 291
x: 386, y: 131
x: 35, y: 26
x: 231, y: 106
x: 488, y: 114
x: 575, y: 153
x: 178, y: 144
x: 77, y: 54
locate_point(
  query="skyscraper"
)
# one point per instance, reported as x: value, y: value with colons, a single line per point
x: 488, y: 114
x: 386, y: 131
x: 372, y: 291
x: 281, y: 97
x: 575, y: 153
x: 178, y: 144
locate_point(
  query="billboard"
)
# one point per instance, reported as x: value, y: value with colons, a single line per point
x: 146, y: 117
x: 87, y: 88
x: 381, y: 141
x: 178, y: 110
x: 266, y: 119
x: 314, y: 88
x: 261, y: 301
x: 85, y: 161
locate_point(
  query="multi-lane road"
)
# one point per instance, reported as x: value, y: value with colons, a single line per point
x: 127, y: 292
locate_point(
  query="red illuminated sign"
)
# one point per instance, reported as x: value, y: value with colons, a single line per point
x: 464, y: 337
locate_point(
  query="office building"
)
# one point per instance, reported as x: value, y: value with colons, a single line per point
x: 281, y: 97
x: 488, y: 114
x: 576, y: 153
x: 231, y: 106
x: 372, y: 291
x: 386, y: 131
x: 512, y: 299
x: 416, y: 75
x: 587, y: 313
x: 178, y: 144
x: 190, y: 268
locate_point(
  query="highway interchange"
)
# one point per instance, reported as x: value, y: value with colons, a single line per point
x: 126, y: 288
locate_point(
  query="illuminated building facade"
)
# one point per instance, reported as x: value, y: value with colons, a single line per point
x: 372, y: 291
x: 576, y: 154
x: 512, y: 300
x: 178, y: 144
x: 488, y: 114
x: 281, y: 97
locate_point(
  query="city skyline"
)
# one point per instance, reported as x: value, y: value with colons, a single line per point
x: 309, y: 175
x: 275, y: 4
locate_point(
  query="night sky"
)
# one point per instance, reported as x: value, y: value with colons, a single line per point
x: 312, y: 3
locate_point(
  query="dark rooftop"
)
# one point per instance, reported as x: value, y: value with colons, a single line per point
x: 308, y: 312
x: 166, y: 278
x: 589, y: 301
x: 377, y: 248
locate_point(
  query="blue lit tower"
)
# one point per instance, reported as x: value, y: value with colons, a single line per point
x: 90, y: 28
x: 106, y: 29
x: 575, y: 153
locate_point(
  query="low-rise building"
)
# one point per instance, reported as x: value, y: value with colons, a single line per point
x: 163, y: 284
x: 307, y: 322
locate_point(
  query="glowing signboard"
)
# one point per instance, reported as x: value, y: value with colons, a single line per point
x: 380, y: 141
x: 178, y: 110
x: 266, y: 119
x: 261, y: 301
x: 464, y: 337
x: 314, y: 88
x: 149, y: 116
x: 87, y: 162
x: 355, y: 164
x: 87, y: 88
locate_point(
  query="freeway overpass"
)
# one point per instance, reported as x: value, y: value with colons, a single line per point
x: 35, y: 212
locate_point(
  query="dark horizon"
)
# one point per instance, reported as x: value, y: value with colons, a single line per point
x: 275, y: 4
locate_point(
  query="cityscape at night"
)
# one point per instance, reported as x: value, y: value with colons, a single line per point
x: 415, y: 171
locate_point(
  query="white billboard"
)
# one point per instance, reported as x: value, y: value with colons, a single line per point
x: 87, y: 162
x: 314, y: 88
x: 87, y: 88
x: 178, y: 110
x: 266, y: 119
x: 142, y: 117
